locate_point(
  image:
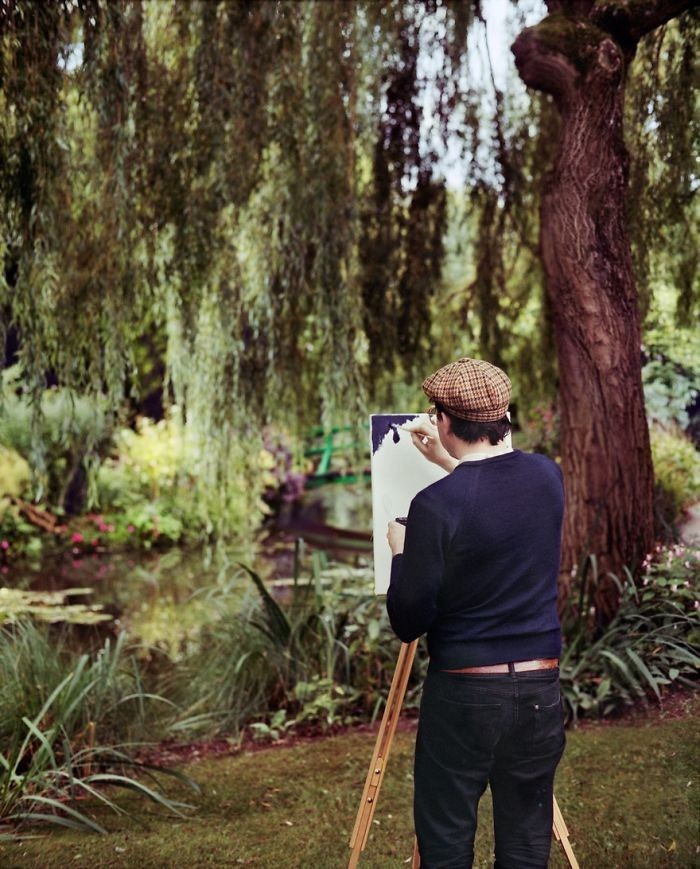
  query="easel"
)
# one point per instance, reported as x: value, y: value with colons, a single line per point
x: 377, y: 768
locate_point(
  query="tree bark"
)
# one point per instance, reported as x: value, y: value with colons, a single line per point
x: 606, y: 457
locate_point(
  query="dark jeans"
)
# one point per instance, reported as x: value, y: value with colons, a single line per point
x: 474, y: 730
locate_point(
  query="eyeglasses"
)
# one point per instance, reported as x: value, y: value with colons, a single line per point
x: 432, y: 414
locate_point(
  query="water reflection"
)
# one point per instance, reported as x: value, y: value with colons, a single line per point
x: 163, y: 598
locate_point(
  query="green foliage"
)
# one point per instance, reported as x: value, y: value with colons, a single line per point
x: 18, y: 538
x: 124, y: 206
x: 14, y: 475
x: 65, y: 448
x: 151, y: 484
x: 106, y: 688
x: 325, y: 656
x: 668, y: 390
x: 60, y: 713
x: 661, y: 125
x: 651, y: 642
x: 676, y: 474
x: 48, y: 724
x: 539, y: 431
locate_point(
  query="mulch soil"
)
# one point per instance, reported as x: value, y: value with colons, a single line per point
x: 674, y: 705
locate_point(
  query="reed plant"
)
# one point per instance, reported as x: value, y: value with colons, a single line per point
x: 65, y: 726
x: 648, y: 647
x: 324, y: 656
x: 323, y: 653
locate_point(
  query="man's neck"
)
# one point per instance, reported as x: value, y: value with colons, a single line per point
x: 480, y: 450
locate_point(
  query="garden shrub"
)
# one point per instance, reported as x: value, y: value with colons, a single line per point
x: 326, y: 656
x: 669, y: 389
x: 650, y: 644
x: 64, y: 452
x: 14, y: 475
x: 151, y: 482
x: 676, y: 474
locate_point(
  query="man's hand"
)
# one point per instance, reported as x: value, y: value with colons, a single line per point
x: 396, y: 535
x: 426, y: 439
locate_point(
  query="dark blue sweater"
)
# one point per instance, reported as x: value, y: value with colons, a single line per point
x: 480, y: 563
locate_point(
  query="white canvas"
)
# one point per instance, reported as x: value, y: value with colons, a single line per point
x: 399, y: 472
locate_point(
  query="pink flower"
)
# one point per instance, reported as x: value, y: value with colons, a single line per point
x: 130, y: 529
x: 101, y: 526
x: 4, y: 569
x: 110, y: 528
x: 4, y: 545
x: 77, y: 537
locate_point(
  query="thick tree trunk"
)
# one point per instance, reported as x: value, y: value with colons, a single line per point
x: 606, y: 456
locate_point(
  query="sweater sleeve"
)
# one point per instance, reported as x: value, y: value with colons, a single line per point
x: 416, y: 575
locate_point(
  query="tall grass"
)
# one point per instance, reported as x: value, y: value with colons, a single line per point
x: 57, y: 728
x: 649, y: 645
x: 326, y: 653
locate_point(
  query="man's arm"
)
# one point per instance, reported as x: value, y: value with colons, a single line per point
x: 416, y: 574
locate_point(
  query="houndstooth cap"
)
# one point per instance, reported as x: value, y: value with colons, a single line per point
x: 470, y: 389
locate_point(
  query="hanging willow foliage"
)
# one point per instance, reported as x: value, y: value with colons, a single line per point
x: 204, y: 167
x: 663, y: 135
x: 255, y: 180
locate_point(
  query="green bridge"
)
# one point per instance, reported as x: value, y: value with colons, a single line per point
x: 341, y: 441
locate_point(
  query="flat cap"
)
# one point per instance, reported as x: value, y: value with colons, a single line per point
x: 470, y: 389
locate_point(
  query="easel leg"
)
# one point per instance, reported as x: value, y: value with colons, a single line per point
x: 415, y: 862
x: 561, y: 834
x: 382, y: 747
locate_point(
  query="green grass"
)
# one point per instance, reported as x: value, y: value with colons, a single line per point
x: 628, y: 792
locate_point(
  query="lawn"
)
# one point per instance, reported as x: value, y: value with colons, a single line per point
x: 628, y: 793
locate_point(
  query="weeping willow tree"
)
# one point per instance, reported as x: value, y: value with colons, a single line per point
x: 255, y: 179
x: 580, y: 55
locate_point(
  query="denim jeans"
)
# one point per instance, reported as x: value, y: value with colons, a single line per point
x: 503, y: 730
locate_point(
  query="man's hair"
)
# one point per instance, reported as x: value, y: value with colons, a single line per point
x: 472, y: 432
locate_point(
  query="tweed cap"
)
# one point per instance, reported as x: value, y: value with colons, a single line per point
x: 470, y: 389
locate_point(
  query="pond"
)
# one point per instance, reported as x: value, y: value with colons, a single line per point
x: 162, y: 597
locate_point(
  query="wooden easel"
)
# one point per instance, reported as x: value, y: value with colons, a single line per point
x: 377, y: 768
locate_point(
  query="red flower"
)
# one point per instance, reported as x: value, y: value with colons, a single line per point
x: 77, y: 537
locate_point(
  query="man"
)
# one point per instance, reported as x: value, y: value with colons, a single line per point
x: 476, y: 568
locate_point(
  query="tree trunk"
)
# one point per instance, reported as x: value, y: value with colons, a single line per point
x: 606, y: 457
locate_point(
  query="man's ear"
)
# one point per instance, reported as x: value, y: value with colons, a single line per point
x: 447, y: 422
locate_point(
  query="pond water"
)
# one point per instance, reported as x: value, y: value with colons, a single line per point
x: 163, y: 597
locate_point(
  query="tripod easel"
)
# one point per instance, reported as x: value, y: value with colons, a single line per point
x: 377, y: 768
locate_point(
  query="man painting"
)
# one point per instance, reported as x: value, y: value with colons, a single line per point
x: 476, y: 568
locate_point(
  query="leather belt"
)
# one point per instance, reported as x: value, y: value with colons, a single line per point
x: 513, y: 667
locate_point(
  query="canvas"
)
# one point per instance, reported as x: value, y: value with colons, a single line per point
x: 399, y: 472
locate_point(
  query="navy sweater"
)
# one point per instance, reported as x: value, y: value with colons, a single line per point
x: 480, y: 563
